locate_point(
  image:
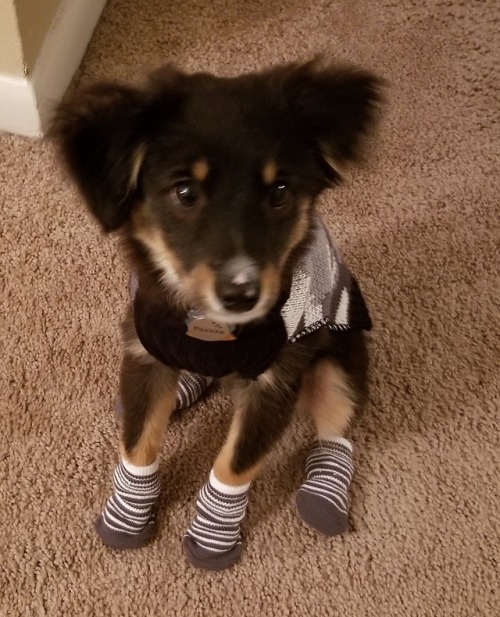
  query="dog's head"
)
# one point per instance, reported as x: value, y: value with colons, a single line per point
x: 215, y: 178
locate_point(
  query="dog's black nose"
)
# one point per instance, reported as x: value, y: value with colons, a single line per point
x: 239, y: 298
x: 238, y: 286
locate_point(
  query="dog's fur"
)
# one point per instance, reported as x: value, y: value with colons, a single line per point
x: 208, y: 179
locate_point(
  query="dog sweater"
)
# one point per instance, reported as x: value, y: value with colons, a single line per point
x: 323, y: 294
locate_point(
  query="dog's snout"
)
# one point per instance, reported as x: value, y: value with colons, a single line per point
x: 238, y: 285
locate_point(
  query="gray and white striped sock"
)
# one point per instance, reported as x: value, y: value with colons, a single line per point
x: 127, y: 520
x: 322, y: 499
x: 190, y: 388
x: 213, y: 541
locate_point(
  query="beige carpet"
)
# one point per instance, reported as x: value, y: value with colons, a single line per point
x: 420, y: 226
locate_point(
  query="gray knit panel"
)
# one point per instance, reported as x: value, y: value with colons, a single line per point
x: 320, y: 288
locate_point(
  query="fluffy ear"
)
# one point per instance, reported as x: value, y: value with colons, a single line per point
x: 335, y: 106
x: 100, y: 132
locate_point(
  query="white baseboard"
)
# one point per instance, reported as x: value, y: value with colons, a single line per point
x: 27, y: 103
x: 18, y: 107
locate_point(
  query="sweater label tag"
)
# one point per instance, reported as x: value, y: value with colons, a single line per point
x: 204, y: 329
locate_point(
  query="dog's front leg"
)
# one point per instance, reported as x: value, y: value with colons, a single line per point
x: 147, y: 390
x: 262, y: 411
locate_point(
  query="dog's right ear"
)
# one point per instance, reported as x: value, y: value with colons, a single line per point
x: 100, y: 133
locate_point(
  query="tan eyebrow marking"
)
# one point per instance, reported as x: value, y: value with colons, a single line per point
x: 200, y: 170
x: 269, y: 172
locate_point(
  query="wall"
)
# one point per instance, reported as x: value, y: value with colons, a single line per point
x: 23, y: 27
x: 34, y: 18
x: 42, y: 43
x: 11, y: 51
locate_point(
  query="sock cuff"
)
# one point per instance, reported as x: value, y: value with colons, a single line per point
x: 227, y: 489
x: 339, y: 440
x: 135, y: 470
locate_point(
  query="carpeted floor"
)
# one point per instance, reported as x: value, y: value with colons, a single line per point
x: 420, y: 227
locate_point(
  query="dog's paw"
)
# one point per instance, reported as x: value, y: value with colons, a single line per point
x: 210, y: 560
x: 321, y: 514
x: 121, y: 540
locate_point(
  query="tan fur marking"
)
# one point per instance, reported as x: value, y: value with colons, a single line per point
x: 267, y: 379
x: 222, y: 465
x: 146, y: 450
x: 153, y: 240
x: 270, y: 282
x: 328, y: 397
x: 201, y: 282
x: 269, y: 172
x: 332, y: 162
x: 200, y: 170
x: 136, y: 166
x: 161, y: 254
x: 202, y: 274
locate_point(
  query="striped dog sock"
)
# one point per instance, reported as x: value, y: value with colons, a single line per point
x: 322, y: 499
x: 191, y: 386
x: 190, y: 389
x: 213, y: 541
x: 127, y: 520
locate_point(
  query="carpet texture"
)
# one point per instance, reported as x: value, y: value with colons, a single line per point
x: 419, y: 224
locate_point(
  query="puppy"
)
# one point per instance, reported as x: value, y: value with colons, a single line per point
x: 211, y: 183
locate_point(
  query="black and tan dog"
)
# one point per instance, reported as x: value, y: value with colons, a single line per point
x: 211, y: 183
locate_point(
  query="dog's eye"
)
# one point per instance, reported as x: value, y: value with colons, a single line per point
x: 279, y: 195
x: 185, y: 194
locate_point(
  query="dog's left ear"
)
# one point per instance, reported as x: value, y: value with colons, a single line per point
x: 335, y: 107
